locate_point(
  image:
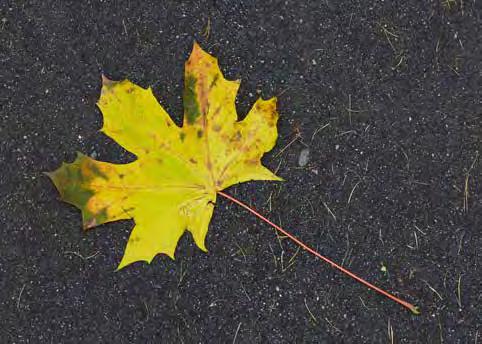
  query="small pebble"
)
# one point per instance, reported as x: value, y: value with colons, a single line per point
x: 304, y: 157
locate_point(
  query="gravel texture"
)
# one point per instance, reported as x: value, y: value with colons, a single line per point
x: 387, y: 97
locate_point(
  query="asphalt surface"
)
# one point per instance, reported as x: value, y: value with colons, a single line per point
x: 385, y: 95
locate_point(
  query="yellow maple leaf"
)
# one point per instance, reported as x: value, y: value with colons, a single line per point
x: 173, y: 183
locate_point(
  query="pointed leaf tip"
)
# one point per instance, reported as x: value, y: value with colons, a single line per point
x: 196, y: 47
x: 48, y: 173
x: 198, y: 53
x: 105, y: 80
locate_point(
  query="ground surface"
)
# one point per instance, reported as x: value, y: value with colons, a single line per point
x: 385, y: 95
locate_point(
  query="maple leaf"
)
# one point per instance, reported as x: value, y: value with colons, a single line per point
x: 172, y: 184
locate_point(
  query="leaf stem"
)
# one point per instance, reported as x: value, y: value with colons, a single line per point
x: 412, y: 308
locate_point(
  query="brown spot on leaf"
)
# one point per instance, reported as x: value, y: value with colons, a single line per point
x: 216, y: 112
x: 216, y: 127
x: 182, y: 136
x: 90, y: 224
x: 133, y: 239
x: 199, y: 133
x: 214, y: 82
x: 203, y: 95
x: 194, y: 161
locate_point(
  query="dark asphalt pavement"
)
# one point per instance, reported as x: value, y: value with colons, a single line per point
x: 386, y: 95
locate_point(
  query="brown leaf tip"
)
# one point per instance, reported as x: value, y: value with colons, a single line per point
x: 106, y: 81
x: 90, y: 224
x: 198, y: 54
x: 196, y: 49
x: 107, y: 85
